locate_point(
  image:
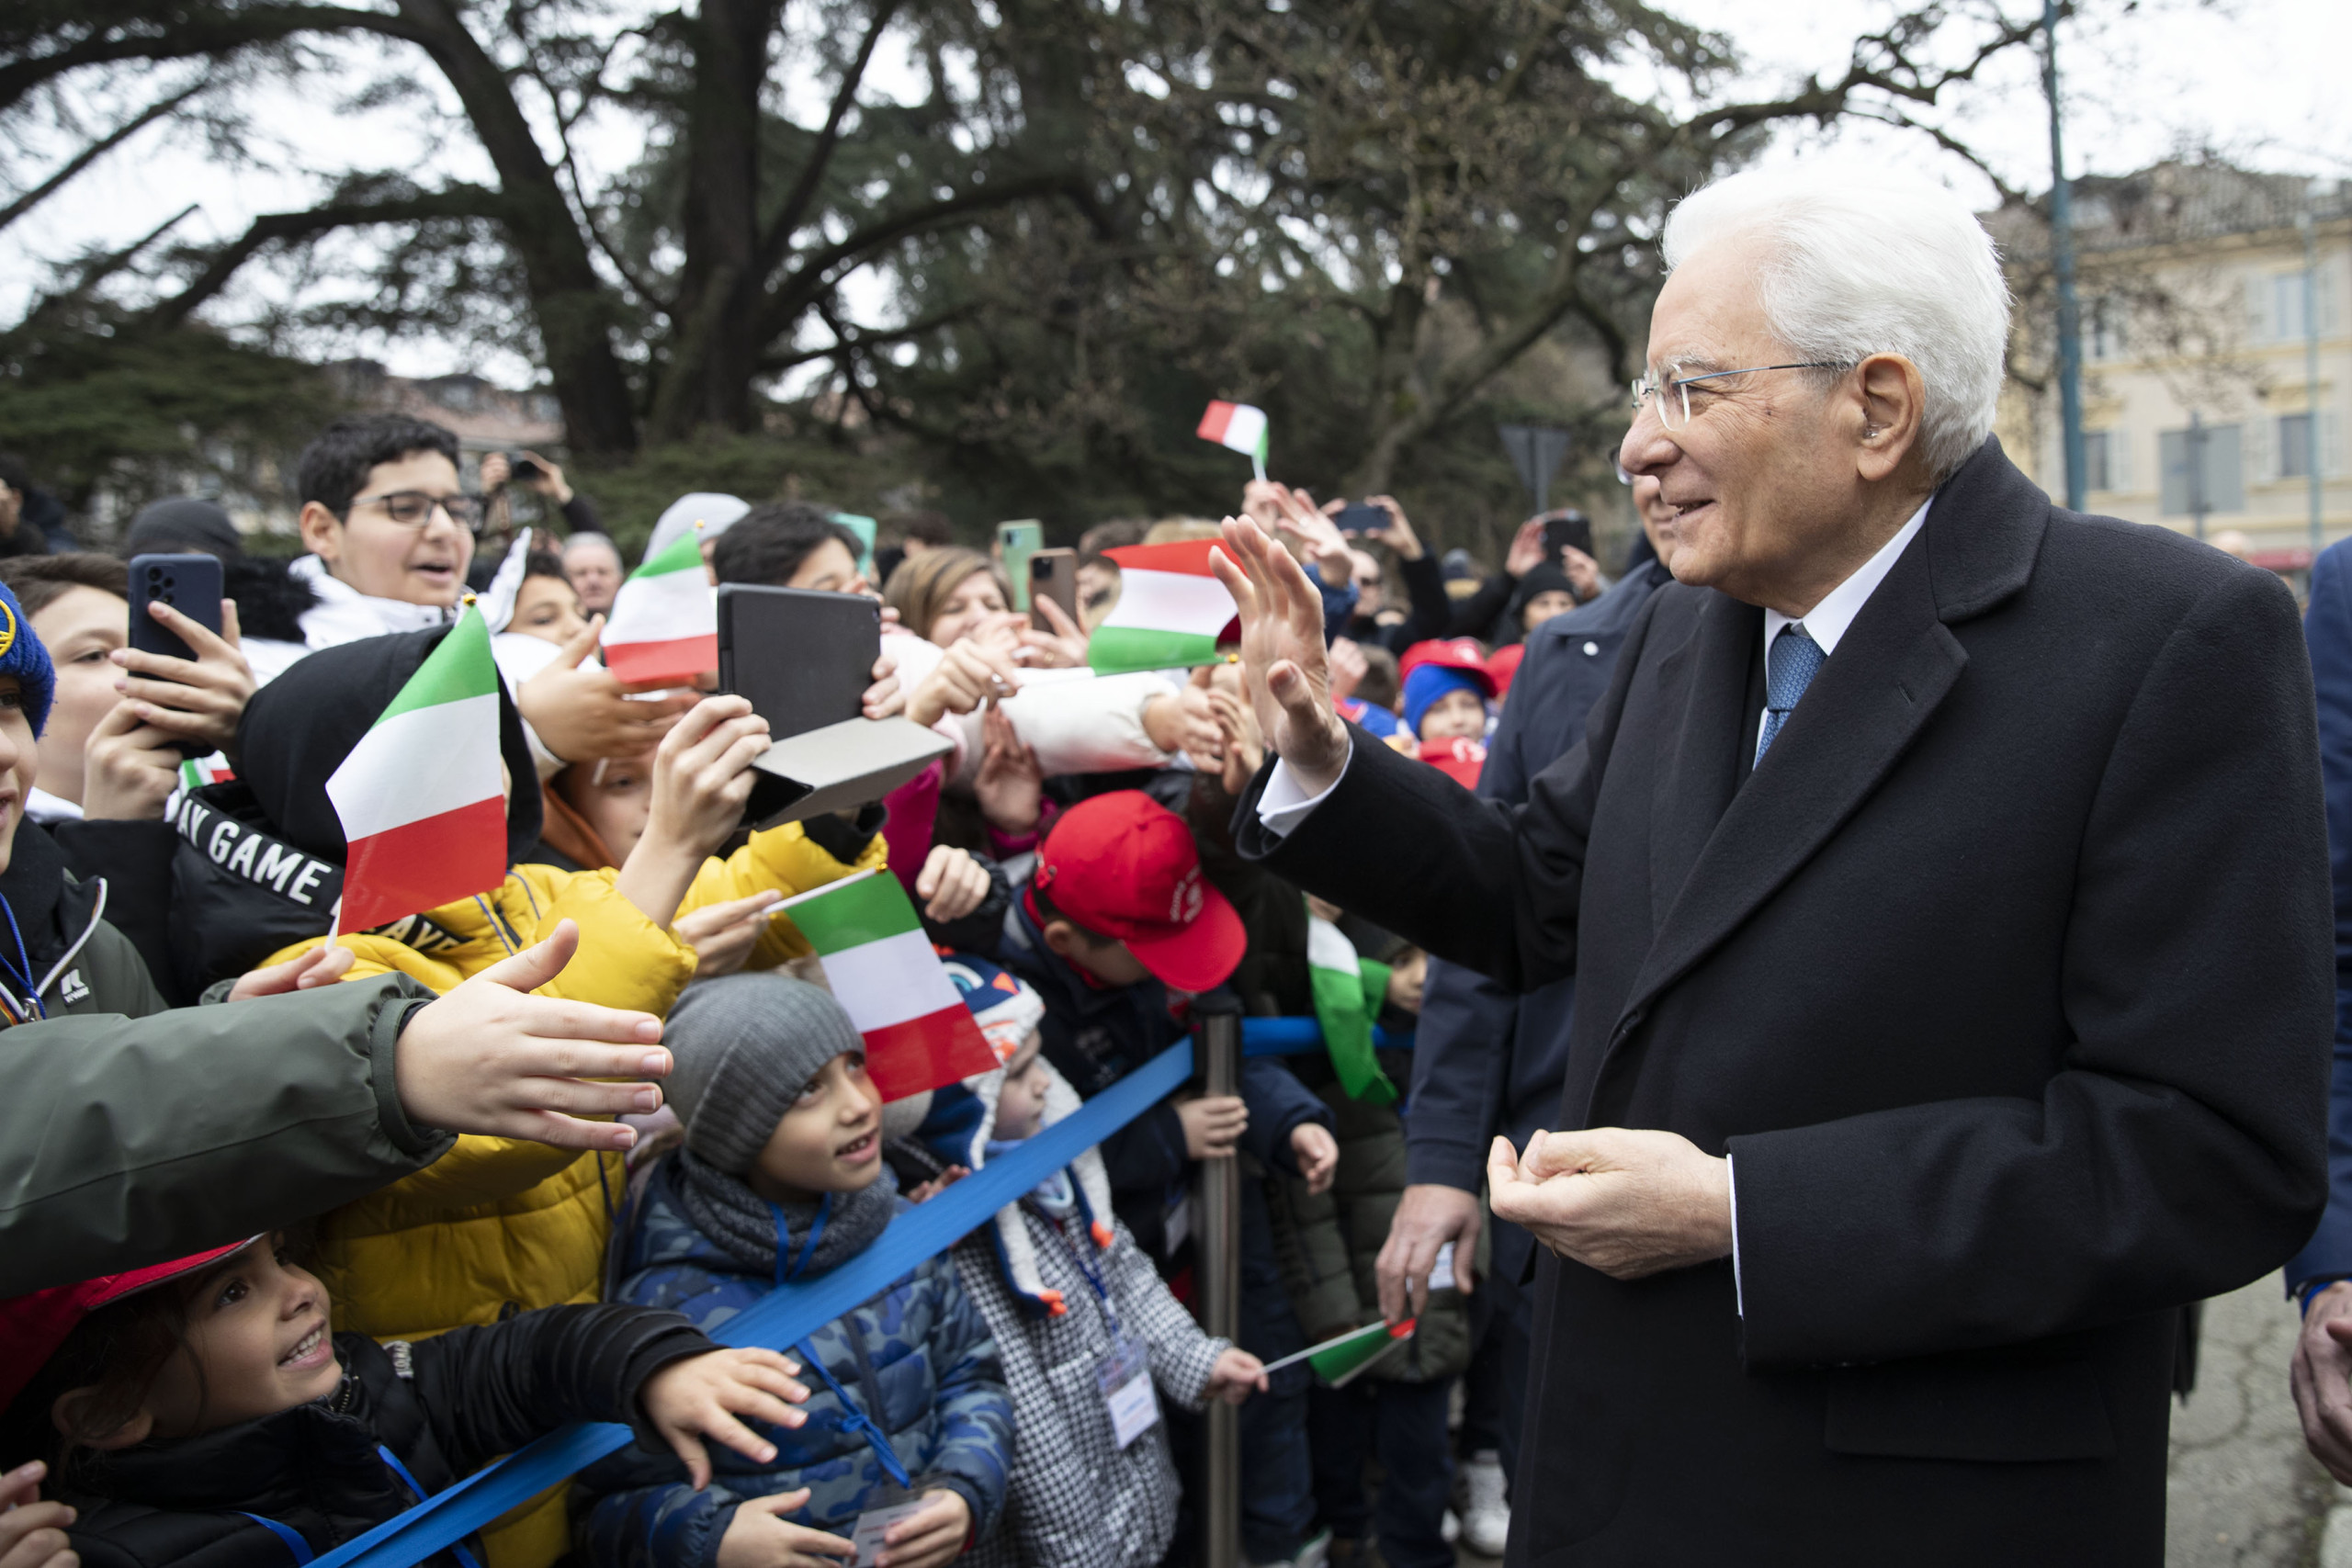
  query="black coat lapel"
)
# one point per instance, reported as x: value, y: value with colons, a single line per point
x: 1700, y: 770
x: 1892, y: 668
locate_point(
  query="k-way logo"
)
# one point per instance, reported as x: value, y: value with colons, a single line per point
x: 256, y: 856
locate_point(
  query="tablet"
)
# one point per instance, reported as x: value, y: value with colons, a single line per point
x: 805, y: 658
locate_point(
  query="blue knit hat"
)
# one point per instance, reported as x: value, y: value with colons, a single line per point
x: 1430, y: 681
x: 22, y: 655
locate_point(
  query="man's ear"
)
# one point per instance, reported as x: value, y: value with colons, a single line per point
x: 68, y: 1411
x: 319, y: 528
x: 1893, y: 396
x: 1061, y: 939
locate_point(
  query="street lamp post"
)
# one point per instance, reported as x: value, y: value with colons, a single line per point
x: 2311, y: 369
x: 2061, y: 249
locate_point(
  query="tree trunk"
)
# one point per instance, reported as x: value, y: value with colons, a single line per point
x: 714, y: 343
x: 569, y: 302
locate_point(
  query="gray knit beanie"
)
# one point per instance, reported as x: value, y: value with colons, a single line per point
x: 745, y: 1045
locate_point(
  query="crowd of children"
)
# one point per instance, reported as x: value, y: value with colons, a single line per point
x: 450, y: 1262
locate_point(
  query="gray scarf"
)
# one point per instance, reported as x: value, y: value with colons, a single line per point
x: 743, y: 1225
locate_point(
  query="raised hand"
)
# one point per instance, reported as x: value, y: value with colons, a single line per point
x: 1011, y: 784
x: 724, y: 934
x: 199, y: 699
x: 1284, y: 666
x: 490, y: 1057
x: 581, y: 713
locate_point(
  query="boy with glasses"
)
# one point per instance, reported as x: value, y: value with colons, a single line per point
x: 389, y: 527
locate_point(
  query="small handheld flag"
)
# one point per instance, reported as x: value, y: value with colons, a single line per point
x: 1169, y: 613
x: 664, y: 624
x: 1343, y: 1356
x: 884, y: 972
x: 1239, y: 426
x: 421, y: 800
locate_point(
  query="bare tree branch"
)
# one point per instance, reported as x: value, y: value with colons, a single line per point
x: 93, y: 152
x: 790, y: 216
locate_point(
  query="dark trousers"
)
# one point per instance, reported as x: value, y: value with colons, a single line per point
x: 1403, y: 1425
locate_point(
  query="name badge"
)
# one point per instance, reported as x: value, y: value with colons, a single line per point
x: 1176, y: 1226
x: 866, y: 1534
x: 1442, y: 1271
x: 1126, y: 1380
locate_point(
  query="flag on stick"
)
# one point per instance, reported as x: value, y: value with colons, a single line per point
x: 664, y: 624
x: 919, y: 1034
x: 422, y: 803
x: 1239, y: 426
x: 1343, y: 1355
x: 1171, y: 609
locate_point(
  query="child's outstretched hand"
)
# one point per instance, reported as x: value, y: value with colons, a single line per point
x: 757, y: 1539
x: 1236, y: 1375
x: 32, y: 1533
x: 1317, y: 1153
x: 688, y: 1401
x: 929, y: 1538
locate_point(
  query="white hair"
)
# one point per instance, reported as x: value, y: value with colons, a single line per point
x: 1851, y: 261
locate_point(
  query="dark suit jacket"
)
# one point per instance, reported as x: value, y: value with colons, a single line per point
x: 2004, y: 982
x: 1465, y: 1091
x: 2327, y: 629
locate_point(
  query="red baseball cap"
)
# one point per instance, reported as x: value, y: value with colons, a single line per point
x: 1503, y: 664
x: 1460, y: 653
x: 1124, y: 866
x: 32, y: 1326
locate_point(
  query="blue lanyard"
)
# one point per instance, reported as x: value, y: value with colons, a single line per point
x: 23, y: 977
x: 857, y: 1420
x: 807, y: 1248
x: 1086, y: 1267
x: 301, y: 1549
x: 852, y: 1418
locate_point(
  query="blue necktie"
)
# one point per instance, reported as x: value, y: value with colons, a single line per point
x: 1788, y: 668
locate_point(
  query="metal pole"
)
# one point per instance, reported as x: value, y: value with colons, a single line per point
x: 2061, y: 251
x: 2310, y: 367
x: 2197, y: 505
x: 1220, y: 1259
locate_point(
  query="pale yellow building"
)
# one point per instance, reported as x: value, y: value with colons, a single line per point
x: 2192, y: 283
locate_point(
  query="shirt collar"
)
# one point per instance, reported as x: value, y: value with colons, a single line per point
x: 1826, y: 622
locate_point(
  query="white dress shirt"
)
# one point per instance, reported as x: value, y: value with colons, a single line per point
x: 1826, y: 622
x: 1284, y: 804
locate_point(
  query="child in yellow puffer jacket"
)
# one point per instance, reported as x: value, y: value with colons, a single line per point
x: 498, y: 1225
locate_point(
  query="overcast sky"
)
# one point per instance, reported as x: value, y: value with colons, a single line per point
x: 2260, y: 81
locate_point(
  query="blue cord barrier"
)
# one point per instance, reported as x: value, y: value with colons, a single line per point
x: 780, y: 1318
x: 1304, y: 1037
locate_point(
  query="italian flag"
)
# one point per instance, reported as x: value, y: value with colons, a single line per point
x: 1341, y: 1358
x: 1171, y: 609
x: 882, y: 969
x: 664, y: 624
x: 423, y: 806
x: 1239, y: 426
x: 198, y: 771
x: 1349, y: 990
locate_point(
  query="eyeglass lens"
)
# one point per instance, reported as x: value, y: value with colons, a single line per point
x: 413, y: 509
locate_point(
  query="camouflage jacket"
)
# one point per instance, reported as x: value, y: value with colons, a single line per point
x: 917, y: 1358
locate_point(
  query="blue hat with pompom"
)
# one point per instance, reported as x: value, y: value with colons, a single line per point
x: 22, y: 655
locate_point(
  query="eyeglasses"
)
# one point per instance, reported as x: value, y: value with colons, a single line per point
x: 413, y: 508
x: 1673, y: 396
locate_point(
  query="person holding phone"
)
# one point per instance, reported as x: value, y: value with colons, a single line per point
x: 1428, y: 611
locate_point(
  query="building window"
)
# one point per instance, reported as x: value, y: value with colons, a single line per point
x: 2295, y: 445
x: 2099, y: 471
x: 2104, y: 331
x: 2286, y: 307
x: 2201, y: 471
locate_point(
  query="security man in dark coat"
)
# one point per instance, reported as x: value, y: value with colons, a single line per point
x: 1465, y: 1091
x: 1945, y: 880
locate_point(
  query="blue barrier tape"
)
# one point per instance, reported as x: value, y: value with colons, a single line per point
x: 1304, y: 1037
x: 778, y: 1319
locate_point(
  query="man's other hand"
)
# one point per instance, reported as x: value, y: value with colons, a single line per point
x: 1427, y: 1217
x: 1627, y: 1203
x: 2323, y: 1364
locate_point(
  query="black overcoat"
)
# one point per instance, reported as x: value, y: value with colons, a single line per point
x: 2006, y: 982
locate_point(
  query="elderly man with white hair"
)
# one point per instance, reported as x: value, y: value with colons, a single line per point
x: 1945, y: 883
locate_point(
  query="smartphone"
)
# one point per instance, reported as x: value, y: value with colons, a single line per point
x: 1565, y: 528
x: 864, y: 528
x: 189, y: 584
x: 1015, y: 543
x: 1362, y: 517
x: 1053, y: 574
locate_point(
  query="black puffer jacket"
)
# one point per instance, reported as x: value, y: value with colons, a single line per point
x: 466, y: 1397
x: 79, y: 961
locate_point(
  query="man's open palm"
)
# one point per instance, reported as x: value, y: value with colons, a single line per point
x: 1283, y: 662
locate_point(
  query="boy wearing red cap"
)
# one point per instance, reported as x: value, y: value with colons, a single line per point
x: 1447, y: 687
x: 1119, y: 933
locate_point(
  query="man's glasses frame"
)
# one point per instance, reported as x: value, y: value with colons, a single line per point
x: 1673, y: 396
x: 414, y: 508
